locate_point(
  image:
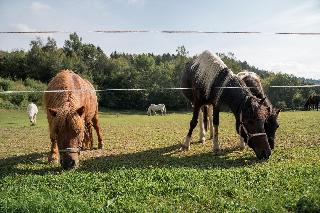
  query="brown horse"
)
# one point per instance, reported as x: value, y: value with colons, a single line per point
x: 71, y: 115
x: 213, y: 83
x: 252, y: 80
x: 312, y: 102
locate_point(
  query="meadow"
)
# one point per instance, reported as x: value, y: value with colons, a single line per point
x: 142, y: 169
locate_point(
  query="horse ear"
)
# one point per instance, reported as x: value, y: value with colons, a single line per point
x: 262, y: 100
x: 81, y: 110
x: 53, y: 112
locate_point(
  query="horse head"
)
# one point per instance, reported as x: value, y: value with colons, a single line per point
x: 271, y: 125
x: 69, y: 132
x: 252, y: 118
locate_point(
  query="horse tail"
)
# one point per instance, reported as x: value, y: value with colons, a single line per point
x: 205, y: 117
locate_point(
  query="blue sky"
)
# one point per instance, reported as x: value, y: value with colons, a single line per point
x: 295, y: 54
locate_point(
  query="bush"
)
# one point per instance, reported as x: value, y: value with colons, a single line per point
x: 18, y: 100
x: 33, y: 85
x: 6, y: 84
x: 281, y: 105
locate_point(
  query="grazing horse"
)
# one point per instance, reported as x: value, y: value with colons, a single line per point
x: 312, y: 102
x: 32, y: 111
x: 154, y: 107
x: 71, y: 114
x: 252, y: 80
x: 213, y: 83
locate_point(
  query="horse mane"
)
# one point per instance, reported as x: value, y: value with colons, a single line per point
x: 253, y: 110
x: 252, y: 80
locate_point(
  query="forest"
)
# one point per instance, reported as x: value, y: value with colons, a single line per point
x: 33, y: 69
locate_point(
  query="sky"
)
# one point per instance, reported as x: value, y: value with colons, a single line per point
x: 294, y: 54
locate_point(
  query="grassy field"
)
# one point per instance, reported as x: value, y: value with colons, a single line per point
x: 142, y: 169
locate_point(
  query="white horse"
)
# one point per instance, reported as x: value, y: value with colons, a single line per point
x: 156, y: 107
x: 32, y: 111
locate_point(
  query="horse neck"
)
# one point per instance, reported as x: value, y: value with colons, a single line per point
x: 234, y: 97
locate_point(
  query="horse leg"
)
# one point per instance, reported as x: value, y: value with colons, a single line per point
x: 54, y: 152
x: 193, y: 124
x: 242, y: 143
x: 90, y: 141
x: 215, y: 142
x: 88, y: 138
x: 96, y: 126
x: 210, y: 115
x: 202, y: 132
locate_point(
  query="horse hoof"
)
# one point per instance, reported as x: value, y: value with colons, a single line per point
x: 53, y: 160
x: 184, y: 148
x: 216, y: 151
x: 242, y: 147
x: 101, y: 146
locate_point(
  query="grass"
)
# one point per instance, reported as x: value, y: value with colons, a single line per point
x: 142, y: 169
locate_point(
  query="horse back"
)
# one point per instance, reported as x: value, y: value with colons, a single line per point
x: 80, y: 93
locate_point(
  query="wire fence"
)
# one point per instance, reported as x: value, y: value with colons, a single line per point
x: 143, y: 89
x: 162, y: 31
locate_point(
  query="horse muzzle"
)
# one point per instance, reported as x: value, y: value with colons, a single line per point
x: 263, y: 155
x: 69, y: 160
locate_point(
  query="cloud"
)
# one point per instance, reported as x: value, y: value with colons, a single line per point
x: 136, y: 2
x: 298, y: 69
x: 131, y: 2
x: 39, y: 7
x: 303, y: 17
x: 23, y: 28
x: 26, y: 28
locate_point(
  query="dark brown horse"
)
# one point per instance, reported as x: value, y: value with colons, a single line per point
x: 312, y: 102
x: 252, y: 80
x: 214, y: 84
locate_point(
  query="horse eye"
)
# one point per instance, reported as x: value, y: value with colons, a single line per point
x: 278, y: 126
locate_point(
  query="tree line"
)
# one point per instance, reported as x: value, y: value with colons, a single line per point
x: 33, y: 69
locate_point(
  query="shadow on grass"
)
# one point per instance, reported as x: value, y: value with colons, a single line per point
x: 164, y: 158
x: 154, y: 158
x: 26, y: 164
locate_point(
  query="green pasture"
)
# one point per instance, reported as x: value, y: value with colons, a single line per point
x: 142, y: 169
